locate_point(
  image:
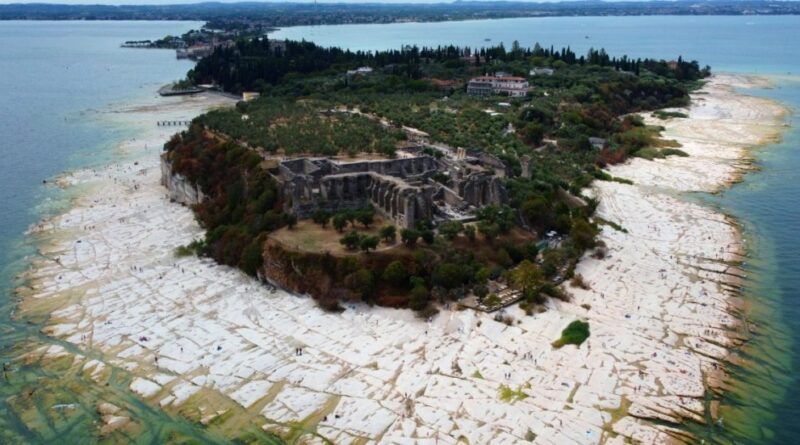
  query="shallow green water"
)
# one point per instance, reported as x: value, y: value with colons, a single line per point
x: 58, y: 81
x: 766, y: 401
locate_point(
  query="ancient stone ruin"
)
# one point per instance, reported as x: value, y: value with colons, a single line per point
x: 403, y: 190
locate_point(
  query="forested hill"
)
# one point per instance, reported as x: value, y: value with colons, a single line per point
x: 573, y: 119
x: 254, y: 64
x: 295, y: 14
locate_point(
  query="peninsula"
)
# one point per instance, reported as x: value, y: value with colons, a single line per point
x: 458, y: 187
x: 522, y: 202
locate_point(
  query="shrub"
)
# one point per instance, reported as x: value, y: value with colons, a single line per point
x: 649, y: 153
x: 351, y: 241
x: 428, y: 237
x: 574, y: 334
x: 409, y: 237
x: 492, y: 300
x: 508, y: 395
x: 489, y: 231
x: 368, y: 243
x: 395, y: 274
x: 252, y: 259
x: 482, y: 275
x: 366, y: 216
x: 664, y: 115
x: 419, y: 297
x: 469, y: 231
x: 600, y: 253
x: 583, y: 234
x: 448, y: 275
x: 361, y: 282
x: 451, y: 229
x: 193, y: 248
x: 340, y: 222
x: 674, y: 152
x: 526, y: 277
x: 321, y: 217
x: 533, y: 133
x: 389, y: 234
x: 578, y: 281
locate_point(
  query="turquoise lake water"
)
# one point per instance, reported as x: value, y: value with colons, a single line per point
x: 57, y: 78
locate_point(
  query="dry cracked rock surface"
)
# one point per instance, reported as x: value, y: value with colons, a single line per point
x: 195, y: 334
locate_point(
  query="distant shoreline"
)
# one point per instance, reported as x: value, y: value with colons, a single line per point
x: 304, y: 14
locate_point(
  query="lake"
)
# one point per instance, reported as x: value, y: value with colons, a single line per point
x: 57, y: 81
x: 59, y: 77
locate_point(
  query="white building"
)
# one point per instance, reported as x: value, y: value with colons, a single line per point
x: 489, y: 85
x: 542, y: 72
x: 362, y: 71
x: 247, y: 96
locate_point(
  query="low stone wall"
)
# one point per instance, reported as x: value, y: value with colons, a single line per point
x: 307, y: 209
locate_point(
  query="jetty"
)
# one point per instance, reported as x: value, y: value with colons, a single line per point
x: 173, y: 123
x: 171, y: 90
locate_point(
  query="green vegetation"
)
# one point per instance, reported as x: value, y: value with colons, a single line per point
x: 310, y: 106
x: 193, y: 248
x: 664, y: 115
x: 603, y: 176
x: 673, y: 152
x: 389, y: 234
x: 574, y: 334
x: 355, y: 240
x: 243, y: 199
x: 395, y: 274
x: 611, y: 224
x: 281, y: 125
x: 651, y: 153
x: 509, y: 395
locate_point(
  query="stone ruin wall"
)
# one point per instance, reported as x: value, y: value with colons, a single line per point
x: 393, y: 198
x: 309, y: 185
x: 481, y: 190
x: 389, y: 185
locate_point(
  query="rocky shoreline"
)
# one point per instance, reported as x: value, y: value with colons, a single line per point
x: 722, y: 127
x: 208, y: 342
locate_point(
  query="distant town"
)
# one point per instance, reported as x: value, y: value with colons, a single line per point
x: 199, y: 43
x: 297, y: 14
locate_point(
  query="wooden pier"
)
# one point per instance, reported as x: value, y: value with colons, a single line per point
x: 173, y: 123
